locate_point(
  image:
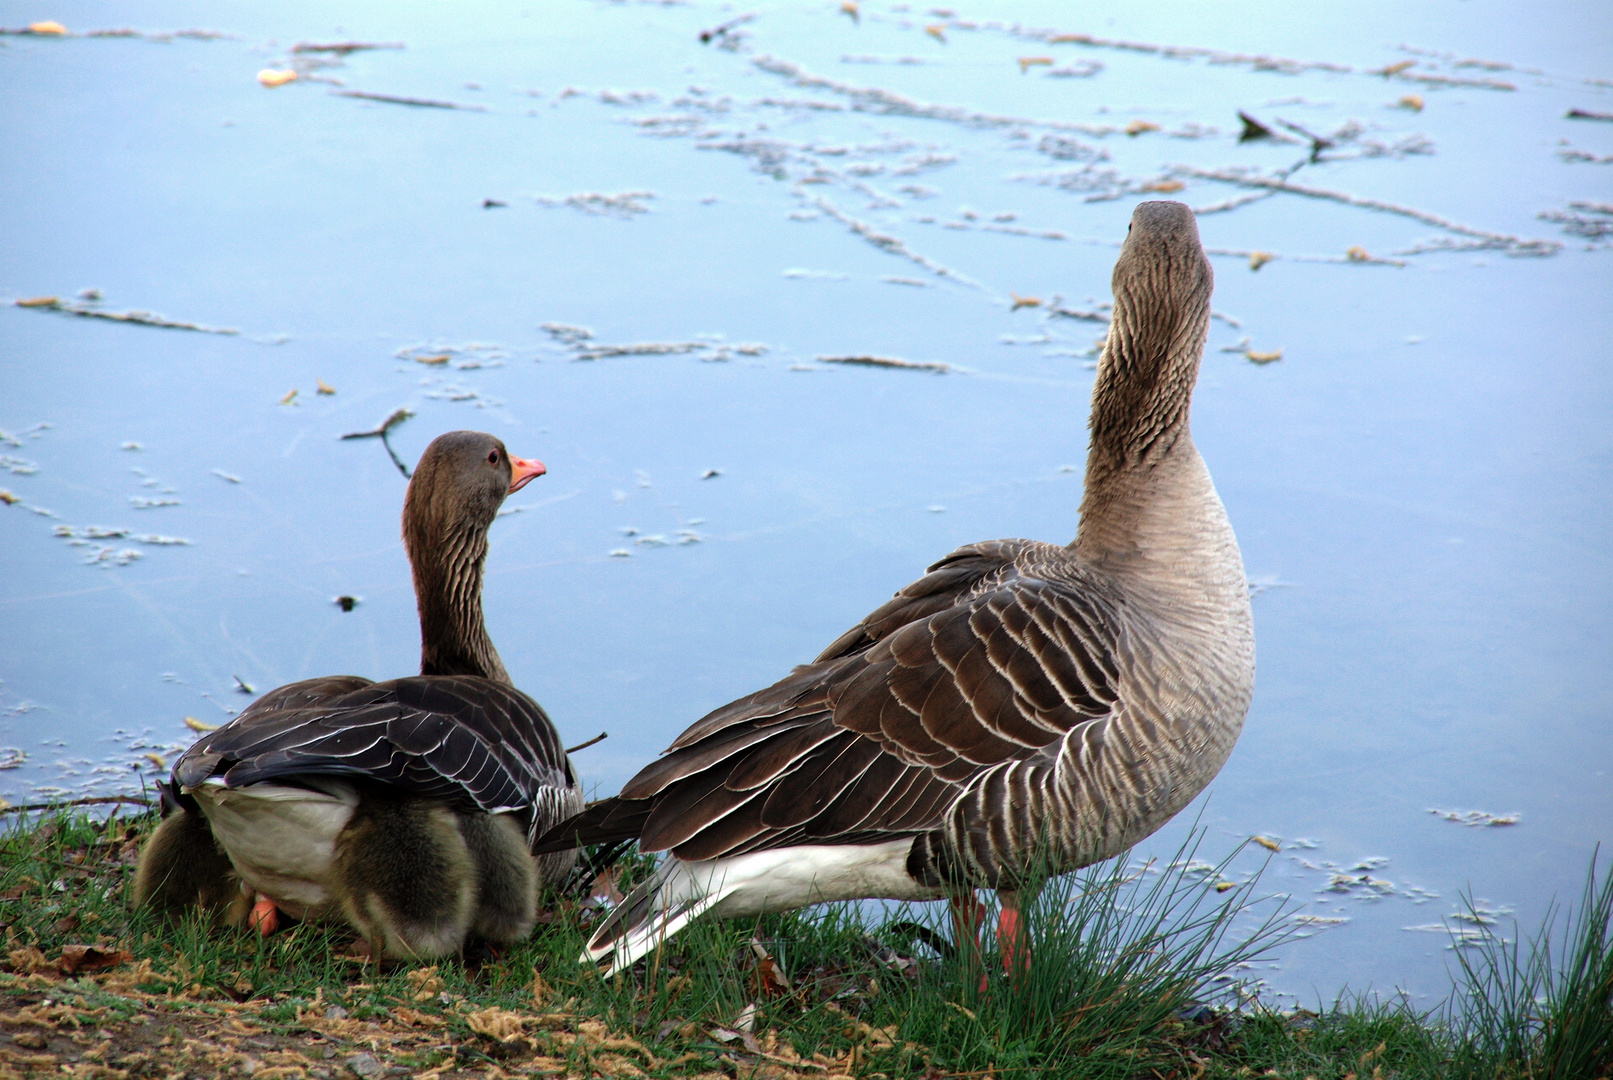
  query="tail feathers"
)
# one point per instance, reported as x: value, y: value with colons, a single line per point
x: 604, y: 822
x: 651, y: 914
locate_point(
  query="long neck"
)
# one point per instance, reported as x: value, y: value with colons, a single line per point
x: 1148, y: 509
x: 448, y: 591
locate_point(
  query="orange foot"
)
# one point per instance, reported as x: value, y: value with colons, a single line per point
x: 1011, y: 942
x: 264, y: 917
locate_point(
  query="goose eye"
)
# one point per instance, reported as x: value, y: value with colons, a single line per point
x: 492, y: 458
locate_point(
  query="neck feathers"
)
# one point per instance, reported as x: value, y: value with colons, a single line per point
x: 447, y: 565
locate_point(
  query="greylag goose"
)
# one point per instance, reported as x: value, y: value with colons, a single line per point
x: 1021, y: 703
x: 407, y: 806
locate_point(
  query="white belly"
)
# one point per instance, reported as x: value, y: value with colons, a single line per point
x: 281, y: 839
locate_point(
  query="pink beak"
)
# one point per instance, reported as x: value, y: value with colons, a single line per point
x: 522, y: 470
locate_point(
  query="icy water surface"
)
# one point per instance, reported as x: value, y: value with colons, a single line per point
x: 635, y: 255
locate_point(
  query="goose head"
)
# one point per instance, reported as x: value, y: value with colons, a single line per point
x: 456, y: 491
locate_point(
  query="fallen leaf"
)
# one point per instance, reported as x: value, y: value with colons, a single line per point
x: 156, y: 759
x: 439, y: 359
x: 1137, y: 127
x: 271, y: 77
x: 196, y: 725
x: 291, y: 395
x: 1264, y: 357
x: 38, y: 301
x: 1357, y: 254
x: 1265, y: 842
x: 1223, y: 886
x: 49, y: 28
x: 937, y: 31
x: 1027, y: 62
x: 324, y: 387
x: 1023, y: 301
x: 76, y: 958
x: 849, y: 7
x: 1165, y: 186
x: 1257, y: 259
x: 1414, y: 102
x: 7, y: 497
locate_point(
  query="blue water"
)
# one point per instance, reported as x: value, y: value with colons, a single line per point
x: 1420, y: 484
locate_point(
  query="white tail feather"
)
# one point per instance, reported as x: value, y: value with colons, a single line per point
x: 777, y: 880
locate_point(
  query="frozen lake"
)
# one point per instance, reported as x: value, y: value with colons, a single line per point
x: 629, y: 252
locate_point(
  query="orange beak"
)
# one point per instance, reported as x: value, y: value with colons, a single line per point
x: 522, y: 470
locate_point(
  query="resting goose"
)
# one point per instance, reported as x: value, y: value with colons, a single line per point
x: 1022, y: 703
x: 407, y: 806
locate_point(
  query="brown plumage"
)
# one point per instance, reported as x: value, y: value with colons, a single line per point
x: 407, y: 807
x: 1020, y: 702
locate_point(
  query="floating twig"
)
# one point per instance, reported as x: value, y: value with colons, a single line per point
x: 418, y: 103
x: 721, y: 30
x: 1581, y: 114
x: 397, y: 417
x: 142, y: 318
x: 601, y: 737
x: 343, y: 48
x: 887, y: 362
x: 1514, y: 245
x: 93, y: 801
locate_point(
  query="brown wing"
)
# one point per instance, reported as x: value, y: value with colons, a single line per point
x: 994, y: 654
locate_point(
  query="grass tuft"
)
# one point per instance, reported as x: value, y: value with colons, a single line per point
x: 1131, y: 972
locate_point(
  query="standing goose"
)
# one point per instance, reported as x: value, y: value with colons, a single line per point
x: 407, y: 806
x: 1020, y: 705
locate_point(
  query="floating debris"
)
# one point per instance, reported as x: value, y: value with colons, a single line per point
x: 322, y: 387
x: 711, y: 474
x: 1018, y: 301
x: 290, y: 396
x: 242, y: 686
x: 396, y: 417
x: 1414, y: 102
x: 17, y: 466
x: 724, y: 30
x: 1028, y: 62
x: 273, y: 77
x: 418, y: 103
x: 887, y: 362
x: 343, y: 48
x: 493, y: 204
x: 8, y: 498
x: 141, y: 502
x: 1512, y: 245
x: 1137, y: 127
x: 1263, y: 357
x: 623, y: 204
x: 1267, y: 843
x: 142, y: 318
x: 1581, y: 114
x: 346, y: 603
x: 196, y: 725
x: 1257, y: 259
x: 1590, y: 220
x: 1475, y: 818
x: 433, y: 359
x: 620, y: 553
x: 11, y: 757
x: 222, y: 475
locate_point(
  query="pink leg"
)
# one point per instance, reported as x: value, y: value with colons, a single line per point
x: 968, y: 913
x: 1011, y: 940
